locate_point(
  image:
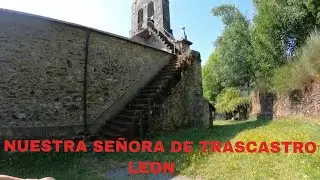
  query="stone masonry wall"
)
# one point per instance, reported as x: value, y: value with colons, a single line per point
x: 47, y: 66
x: 41, y: 69
x: 303, y: 103
x: 185, y: 107
x: 113, y: 66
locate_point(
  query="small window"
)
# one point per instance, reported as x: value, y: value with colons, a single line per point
x: 150, y: 9
x: 140, y: 16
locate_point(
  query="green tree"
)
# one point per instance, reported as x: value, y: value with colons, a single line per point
x: 211, y: 78
x: 276, y: 23
x: 299, y: 73
x: 234, y: 49
x: 229, y: 100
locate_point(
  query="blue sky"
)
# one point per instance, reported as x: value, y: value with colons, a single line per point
x: 115, y: 16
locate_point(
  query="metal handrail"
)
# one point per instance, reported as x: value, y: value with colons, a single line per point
x: 165, y: 33
x: 159, y: 29
x: 164, y: 30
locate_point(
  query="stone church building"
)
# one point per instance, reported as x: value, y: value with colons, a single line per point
x: 60, y: 79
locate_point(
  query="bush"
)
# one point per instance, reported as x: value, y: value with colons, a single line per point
x: 302, y: 70
x: 229, y: 100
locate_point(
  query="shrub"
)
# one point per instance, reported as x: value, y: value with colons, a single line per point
x: 304, y: 68
x: 229, y: 100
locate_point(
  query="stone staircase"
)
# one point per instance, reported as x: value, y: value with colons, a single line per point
x: 167, y: 39
x: 132, y: 121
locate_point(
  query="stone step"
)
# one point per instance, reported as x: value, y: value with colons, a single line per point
x: 164, y: 38
x: 142, y: 100
x: 117, y: 128
x: 132, y: 113
x: 168, y: 48
x: 171, y: 70
x: 165, y: 74
x: 109, y: 132
x: 151, y: 89
x: 147, y: 95
x: 126, y: 118
x: 138, y: 106
x: 154, y: 86
x: 153, y: 30
x: 121, y: 123
x: 169, y: 44
x: 171, y: 62
x: 170, y: 66
x: 160, y: 82
x: 160, y: 79
x: 155, y: 90
x: 161, y: 35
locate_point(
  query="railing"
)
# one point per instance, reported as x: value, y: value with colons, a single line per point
x: 150, y: 24
x: 165, y: 33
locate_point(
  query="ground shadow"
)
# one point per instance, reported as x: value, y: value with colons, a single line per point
x: 56, y: 164
x: 221, y: 133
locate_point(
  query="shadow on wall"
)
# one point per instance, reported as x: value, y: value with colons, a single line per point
x: 296, y: 97
x: 266, y: 101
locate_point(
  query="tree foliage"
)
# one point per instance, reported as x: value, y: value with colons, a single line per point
x: 211, y: 78
x: 229, y: 100
x: 299, y: 73
x: 279, y: 28
x: 260, y: 53
x: 266, y: 35
x: 234, y: 50
x: 230, y: 65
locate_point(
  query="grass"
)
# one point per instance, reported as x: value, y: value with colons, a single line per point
x: 194, y: 165
x: 265, y: 166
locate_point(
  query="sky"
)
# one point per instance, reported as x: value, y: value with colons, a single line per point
x: 114, y: 16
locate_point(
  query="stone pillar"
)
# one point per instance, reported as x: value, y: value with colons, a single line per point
x: 198, y: 108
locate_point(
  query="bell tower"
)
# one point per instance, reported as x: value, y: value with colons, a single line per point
x: 157, y: 11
